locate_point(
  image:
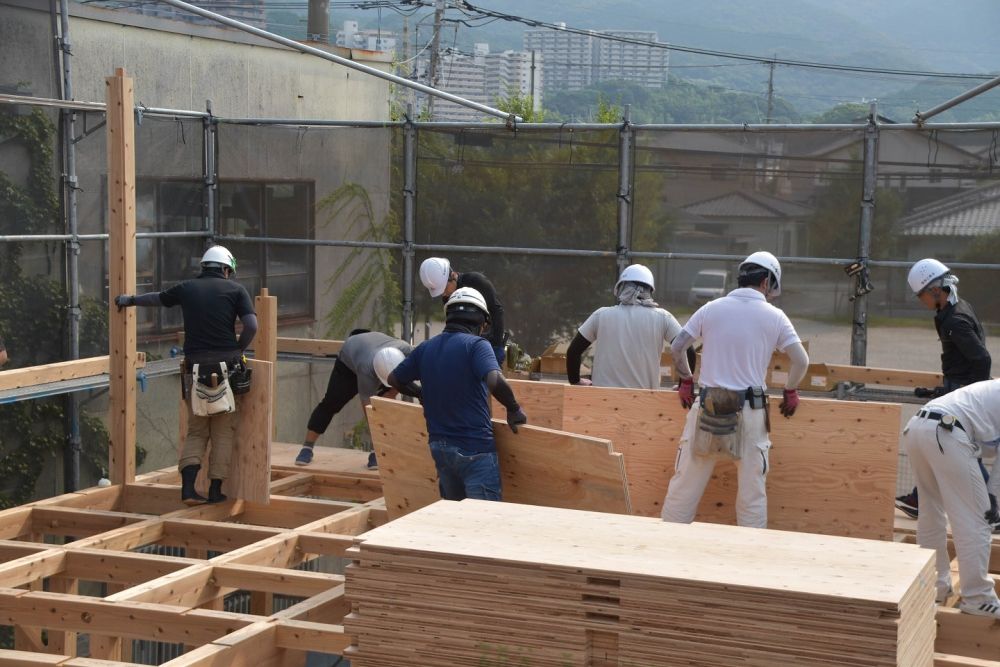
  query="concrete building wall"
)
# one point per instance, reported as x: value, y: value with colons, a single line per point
x: 180, y: 65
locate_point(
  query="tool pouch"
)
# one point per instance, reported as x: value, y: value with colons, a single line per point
x: 211, y: 393
x: 240, y: 378
x: 718, y: 430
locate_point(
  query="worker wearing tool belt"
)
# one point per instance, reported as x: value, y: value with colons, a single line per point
x: 943, y: 441
x: 211, y: 304
x: 739, y: 334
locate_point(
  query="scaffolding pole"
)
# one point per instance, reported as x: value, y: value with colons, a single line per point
x: 625, y: 186
x: 409, y: 222
x: 859, y: 325
x: 921, y: 117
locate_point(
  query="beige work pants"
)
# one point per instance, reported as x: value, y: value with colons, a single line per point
x: 221, y: 430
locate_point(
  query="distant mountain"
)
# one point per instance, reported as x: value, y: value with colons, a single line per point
x: 902, y: 34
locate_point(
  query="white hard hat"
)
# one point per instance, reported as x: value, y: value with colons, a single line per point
x: 636, y: 273
x: 385, y: 361
x: 768, y: 261
x: 467, y: 296
x: 219, y: 255
x: 924, y: 272
x: 434, y: 274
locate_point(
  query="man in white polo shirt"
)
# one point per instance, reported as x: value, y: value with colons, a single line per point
x: 629, y: 336
x: 739, y: 333
x: 944, y: 441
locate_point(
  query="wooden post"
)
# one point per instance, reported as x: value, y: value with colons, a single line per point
x: 265, y: 344
x: 121, y: 278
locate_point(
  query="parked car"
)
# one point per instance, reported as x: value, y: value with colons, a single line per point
x: 708, y: 284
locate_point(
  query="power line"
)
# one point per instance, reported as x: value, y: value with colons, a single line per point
x: 464, y: 6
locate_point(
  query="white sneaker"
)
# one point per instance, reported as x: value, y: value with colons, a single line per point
x: 991, y: 608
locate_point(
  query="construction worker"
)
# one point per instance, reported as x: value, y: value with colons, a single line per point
x: 964, y: 357
x: 943, y: 441
x: 629, y: 336
x: 458, y: 371
x: 739, y: 333
x: 441, y: 281
x: 211, y: 304
x: 362, y: 369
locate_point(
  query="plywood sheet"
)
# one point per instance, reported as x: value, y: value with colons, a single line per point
x: 541, y: 401
x: 833, y: 465
x: 538, y: 466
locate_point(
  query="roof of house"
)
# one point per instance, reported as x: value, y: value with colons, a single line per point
x: 741, y: 204
x: 970, y: 213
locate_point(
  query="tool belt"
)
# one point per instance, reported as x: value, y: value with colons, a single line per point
x: 718, y: 430
x: 211, y: 392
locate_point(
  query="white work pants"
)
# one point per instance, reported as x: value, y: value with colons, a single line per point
x: 691, y: 473
x: 949, y: 482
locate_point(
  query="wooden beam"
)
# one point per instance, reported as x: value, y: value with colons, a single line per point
x: 325, y: 544
x: 966, y: 635
x: 948, y: 660
x: 137, y: 620
x: 10, y: 658
x: 129, y: 568
x: 266, y: 341
x: 274, y: 580
x: 95, y: 498
x: 33, y: 568
x: 315, y: 347
x: 121, y: 265
x: 63, y: 521
x: 17, y: 378
x: 190, y: 533
x: 328, y: 607
x: 189, y: 588
x: 320, y: 637
x: 126, y: 538
x: 291, y: 512
x: 882, y: 376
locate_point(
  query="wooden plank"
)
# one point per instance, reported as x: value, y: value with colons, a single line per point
x: 966, y: 635
x: 948, y: 660
x: 266, y: 341
x: 274, y: 580
x: 9, y: 658
x: 882, y: 376
x: 315, y: 347
x: 31, y: 568
x: 538, y: 466
x: 833, y: 465
x: 65, y: 521
x: 321, y: 637
x: 250, y: 478
x: 545, y: 399
x: 127, y: 568
x: 121, y: 279
x: 326, y: 544
x: 291, y: 512
x: 57, y: 372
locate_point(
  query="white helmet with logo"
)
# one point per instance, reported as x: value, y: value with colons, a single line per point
x: 385, y: 361
x: 219, y: 256
x: 465, y: 297
x: 768, y: 261
x: 434, y: 274
x: 924, y: 272
x: 636, y: 273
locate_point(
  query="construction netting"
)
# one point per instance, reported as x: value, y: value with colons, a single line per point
x: 317, y: 215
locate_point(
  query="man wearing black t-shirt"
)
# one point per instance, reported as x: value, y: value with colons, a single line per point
x: 210, y: 303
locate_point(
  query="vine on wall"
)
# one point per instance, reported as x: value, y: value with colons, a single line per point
x: 33, y: 320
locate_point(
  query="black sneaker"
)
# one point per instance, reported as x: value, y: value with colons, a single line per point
x: 908, y: 505
x: 372, y: 461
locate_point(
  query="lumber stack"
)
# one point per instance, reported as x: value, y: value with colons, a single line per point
x: 479, y: 583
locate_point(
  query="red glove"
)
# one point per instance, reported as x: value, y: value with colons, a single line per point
x: 686, y: 391
x: 789, y: 402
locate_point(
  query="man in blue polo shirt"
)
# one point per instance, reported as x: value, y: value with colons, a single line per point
x: 458, y: 371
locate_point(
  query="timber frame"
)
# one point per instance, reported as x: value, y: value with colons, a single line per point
x: 54, y: 551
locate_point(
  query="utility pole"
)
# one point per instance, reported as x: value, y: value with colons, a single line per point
x: 432, y: 71
x: 531, y: 84
x: 770, y: 94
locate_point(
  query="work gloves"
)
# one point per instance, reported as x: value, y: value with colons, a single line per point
x: 789, y: 402
x: 124, y: 301
x: 686, y: 391
x: 515, y: 418
x: 924, y: 392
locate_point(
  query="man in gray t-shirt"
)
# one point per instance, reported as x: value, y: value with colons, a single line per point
x: 629, y: 336
x: 355, y: 373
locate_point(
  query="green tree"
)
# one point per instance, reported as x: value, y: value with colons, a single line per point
x: 849, y: 112
x: 833, y: 228
x: 977, y: 286
x: 520, y: 105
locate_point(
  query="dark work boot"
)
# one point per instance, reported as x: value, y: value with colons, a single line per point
x: 215, y: 494
x: 188, y: 495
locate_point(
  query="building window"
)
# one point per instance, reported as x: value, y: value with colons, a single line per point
x: 275, y: 210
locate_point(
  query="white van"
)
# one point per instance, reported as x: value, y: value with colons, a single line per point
x: 708, y: 284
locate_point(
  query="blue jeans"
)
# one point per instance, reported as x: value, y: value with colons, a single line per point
x: 463, y: 474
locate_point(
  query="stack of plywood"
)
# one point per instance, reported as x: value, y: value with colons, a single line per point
x: 479, y: 583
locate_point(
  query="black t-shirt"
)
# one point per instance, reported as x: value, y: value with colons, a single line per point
x: 964, y: 357
x: 211, y: 305
x: 478, y: 281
